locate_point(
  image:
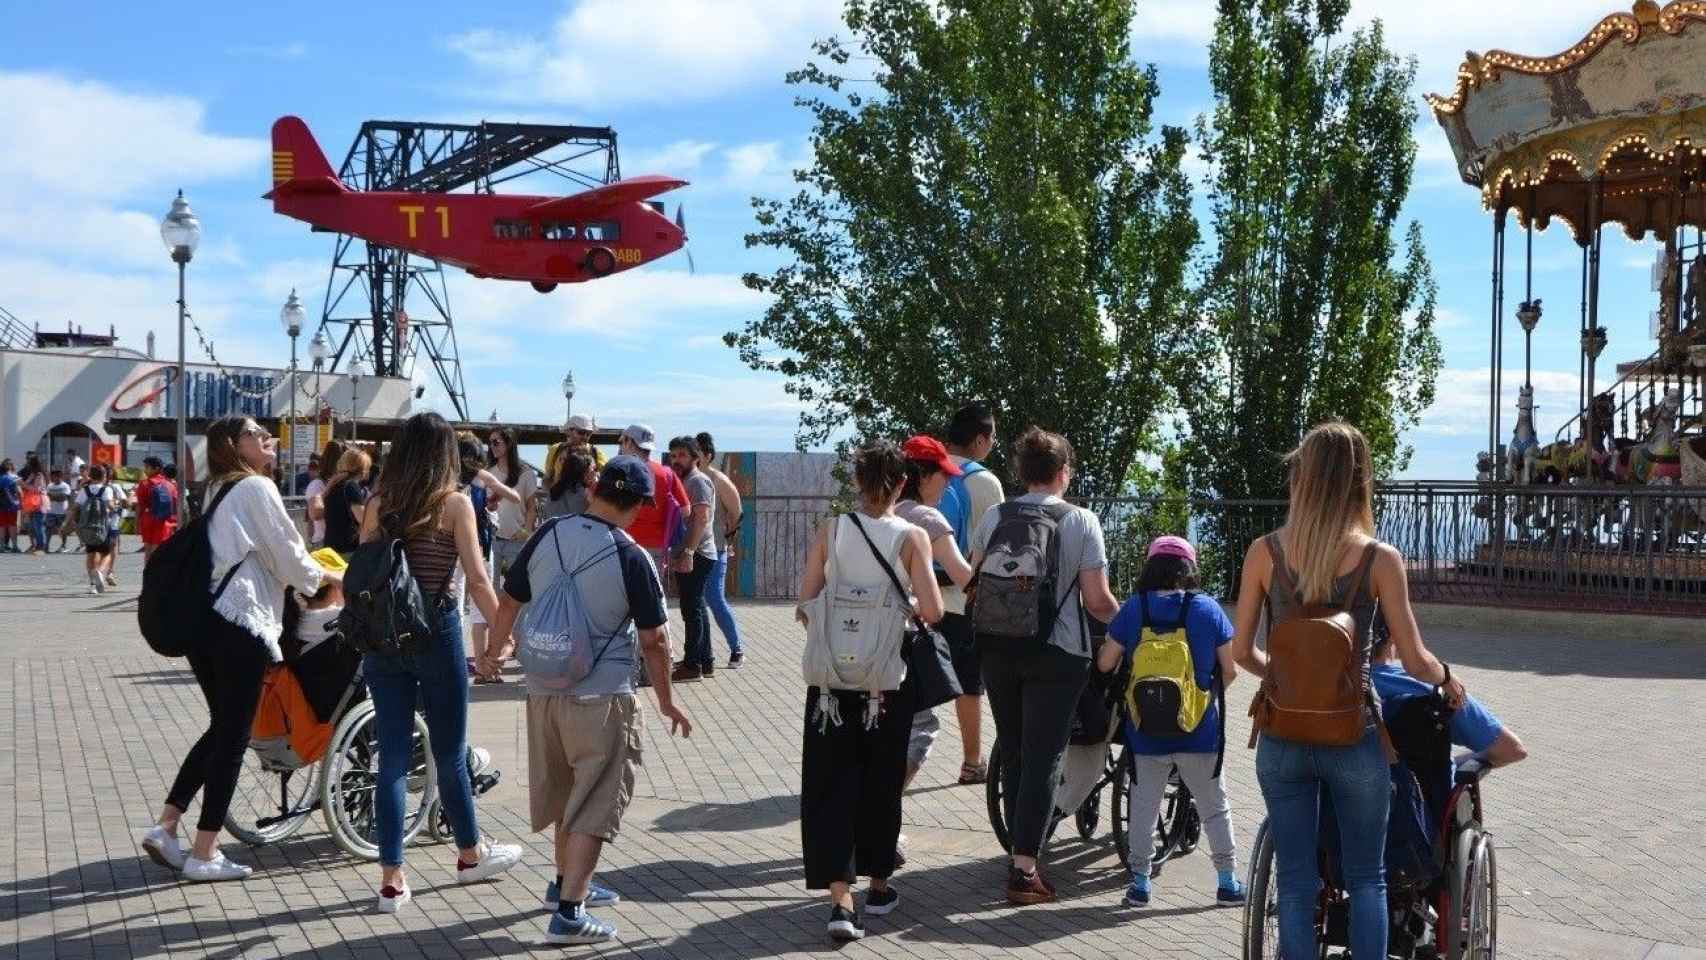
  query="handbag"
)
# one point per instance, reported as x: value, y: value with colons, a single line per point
x: 929, y: 665
x: 384, y: 609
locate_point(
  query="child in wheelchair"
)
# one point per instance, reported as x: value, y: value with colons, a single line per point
x: 1178, y: 643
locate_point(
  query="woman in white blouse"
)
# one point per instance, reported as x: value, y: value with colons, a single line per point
x: 257, y: 553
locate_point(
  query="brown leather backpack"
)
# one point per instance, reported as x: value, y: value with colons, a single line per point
x: 1317, y: 687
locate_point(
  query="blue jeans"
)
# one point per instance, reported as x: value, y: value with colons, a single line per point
x: 436, y: 676
x: 716, y: 597
x: 1292, y: 776
x: 38, y: 529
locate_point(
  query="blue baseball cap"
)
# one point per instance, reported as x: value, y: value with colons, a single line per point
x: 627, y: 473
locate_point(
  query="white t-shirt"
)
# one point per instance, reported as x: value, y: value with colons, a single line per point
x: 508, y: 517
x: 62, y: 491
x: 74, y: 466
x: 317, y: 528
x: 107, y: 491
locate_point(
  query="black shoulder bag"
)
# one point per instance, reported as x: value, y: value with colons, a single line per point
x: 384, y: 610
x: 929, y: 665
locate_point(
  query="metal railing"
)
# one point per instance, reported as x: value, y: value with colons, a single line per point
x: 1639, y: 549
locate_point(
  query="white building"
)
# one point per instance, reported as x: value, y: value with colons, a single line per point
x: 57, y: 400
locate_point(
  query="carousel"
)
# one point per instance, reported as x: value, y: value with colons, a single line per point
x: 1608, y: 134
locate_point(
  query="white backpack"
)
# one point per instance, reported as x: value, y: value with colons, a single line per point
x: 853, y: 637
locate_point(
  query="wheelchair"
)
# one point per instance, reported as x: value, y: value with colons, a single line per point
x: 278, y: 791
x: 1451, y: 914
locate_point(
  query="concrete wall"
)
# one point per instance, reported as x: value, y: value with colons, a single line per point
x: 43, y: 389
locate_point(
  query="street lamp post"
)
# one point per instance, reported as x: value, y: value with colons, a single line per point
x: 318, y: 351
x: 569, y: 391
x: 357, y: 370
x: 291, y: 316
x: 180, y: 231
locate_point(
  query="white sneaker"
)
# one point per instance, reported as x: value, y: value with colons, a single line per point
x: 212, y: 871
x: 95, y: 584
x: 163, y: 848
x: 479, y: 758
x: 391, y: 899
x: 495, y: 858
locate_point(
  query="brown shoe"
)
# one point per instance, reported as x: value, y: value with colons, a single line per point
x: 685, y: 673
x: 1026, y: 889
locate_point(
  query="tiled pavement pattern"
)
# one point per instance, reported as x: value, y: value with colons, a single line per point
x: 1601, y: 835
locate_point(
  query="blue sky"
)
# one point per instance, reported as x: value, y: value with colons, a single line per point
x: 110, y: 111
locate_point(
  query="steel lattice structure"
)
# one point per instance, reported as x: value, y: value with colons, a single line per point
x: 366, y: 311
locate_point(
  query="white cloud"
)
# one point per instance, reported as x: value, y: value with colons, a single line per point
x: 87, y: 139
x: 1461, y: 395
x: 611, y: 52
x: 262, y: 51
x: 681, y: 158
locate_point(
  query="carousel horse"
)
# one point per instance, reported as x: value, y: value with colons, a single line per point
x: 1525, y: 443
x: 1657, y: 458
x: 1584, y: 459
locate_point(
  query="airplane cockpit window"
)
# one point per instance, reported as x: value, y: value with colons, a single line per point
x: 512, y: 229
x: 604, y: 231
x: 558, y: 231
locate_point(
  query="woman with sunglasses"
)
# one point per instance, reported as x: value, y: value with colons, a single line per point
x: 257, y: 553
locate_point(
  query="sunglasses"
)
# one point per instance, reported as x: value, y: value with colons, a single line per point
x: 494, y: 441
x: 258, y: 434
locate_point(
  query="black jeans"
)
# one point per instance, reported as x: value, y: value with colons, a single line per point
x: 229, y: 664
x: 1032, y: 694
x: 695, y: 615
x: 850, y: 786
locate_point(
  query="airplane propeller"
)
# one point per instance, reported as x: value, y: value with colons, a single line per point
x: 681, y: 224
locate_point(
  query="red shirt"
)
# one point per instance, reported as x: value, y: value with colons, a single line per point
x: 648, y: 528
x: 145, y: 522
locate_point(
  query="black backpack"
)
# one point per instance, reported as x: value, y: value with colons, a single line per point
x: 384, y: 609
x: 174, y: 597
x: 1018, y: 578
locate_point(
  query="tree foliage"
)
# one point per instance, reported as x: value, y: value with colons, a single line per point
x: 989, y: 216
x: 1313, y: 312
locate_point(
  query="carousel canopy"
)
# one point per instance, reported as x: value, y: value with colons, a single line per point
x: 1618, y: 119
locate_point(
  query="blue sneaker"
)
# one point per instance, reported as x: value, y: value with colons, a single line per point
x: 1230, y: 892
x: 596, y: 896
x: 582, y: 929
x: 1137, y: 894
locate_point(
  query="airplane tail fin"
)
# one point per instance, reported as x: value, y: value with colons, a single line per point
x: 298, y: 165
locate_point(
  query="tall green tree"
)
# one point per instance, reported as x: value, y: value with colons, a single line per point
x: 1315, y: 307
x: 989, y: 215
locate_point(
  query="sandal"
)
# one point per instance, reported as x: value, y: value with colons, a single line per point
x: 973, y: 772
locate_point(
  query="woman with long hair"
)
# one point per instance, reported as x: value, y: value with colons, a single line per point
x: 346, y: 492
x: 417, y: 501
x: 577, y: 473
x: 257, y: 554
x: 514, y: 519
x: 316, y: 492
x: 1326, y: 554
x: 854, y: 754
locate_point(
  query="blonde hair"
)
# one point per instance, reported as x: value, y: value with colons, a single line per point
x: 1332, y: 494
x: 354, y: 462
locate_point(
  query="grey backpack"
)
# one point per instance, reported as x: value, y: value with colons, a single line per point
x: 94, y: 517
x: 1020, y: 574
x: 556, y: 643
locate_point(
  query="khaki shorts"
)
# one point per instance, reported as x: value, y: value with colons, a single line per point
x: 582, y: 757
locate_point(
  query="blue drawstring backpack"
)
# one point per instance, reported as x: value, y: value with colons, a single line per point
x: 555, y: 641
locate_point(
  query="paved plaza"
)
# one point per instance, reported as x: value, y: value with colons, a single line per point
x: 1602, y: 833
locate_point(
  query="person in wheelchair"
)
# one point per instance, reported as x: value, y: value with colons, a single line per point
x: 1489, y: 742
x: 1175, y: 721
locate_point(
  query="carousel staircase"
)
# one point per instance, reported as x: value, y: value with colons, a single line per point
x: 13, y: 334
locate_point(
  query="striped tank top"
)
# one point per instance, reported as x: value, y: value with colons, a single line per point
x: 432, y: 559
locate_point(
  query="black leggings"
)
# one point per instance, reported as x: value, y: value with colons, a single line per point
x: 229, y: 664
x: 850, y: 787
x: 1032, y: 695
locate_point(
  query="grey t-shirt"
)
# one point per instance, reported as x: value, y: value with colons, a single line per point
x: 1081, y: 548
x: 700, y: 489
x: 620, y: 586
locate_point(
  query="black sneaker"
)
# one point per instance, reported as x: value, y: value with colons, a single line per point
x: 707, y: 670
x: 881, y: 902
x: 844, y: 925
x: 736, y: 659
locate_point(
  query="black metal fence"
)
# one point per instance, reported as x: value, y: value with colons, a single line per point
x: 1617, y: 549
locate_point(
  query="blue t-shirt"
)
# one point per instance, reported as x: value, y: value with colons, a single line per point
x: 10, y: 499
x: 1472, y: 726
x: 1206, y: 630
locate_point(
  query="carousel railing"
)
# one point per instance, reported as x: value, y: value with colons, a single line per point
x: 1628, y: 549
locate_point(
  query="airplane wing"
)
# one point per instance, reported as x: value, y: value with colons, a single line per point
x: 599, y: 199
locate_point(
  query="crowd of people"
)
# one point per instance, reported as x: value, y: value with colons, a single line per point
x: 87, y: 502
x: 566, y: 572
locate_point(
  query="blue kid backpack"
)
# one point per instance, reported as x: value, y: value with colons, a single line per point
x: 956, y: 506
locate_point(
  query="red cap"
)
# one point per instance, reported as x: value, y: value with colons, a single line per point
x: 1171, y: 546
x: 930, y: 450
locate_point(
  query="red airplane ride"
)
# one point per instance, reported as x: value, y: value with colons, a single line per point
x: 543, y: 240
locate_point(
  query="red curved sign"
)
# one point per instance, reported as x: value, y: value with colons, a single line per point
x: 118, y: 404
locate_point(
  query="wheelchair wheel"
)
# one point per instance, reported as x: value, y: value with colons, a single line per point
x: 1089, y: 813
x: 1261, y: 909
x: 1181, y: 826
x: 271, y: 804
x: 350, y: 778
x: 1474, y: 926
x: 1120, y: 819
x: 992, y: 798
